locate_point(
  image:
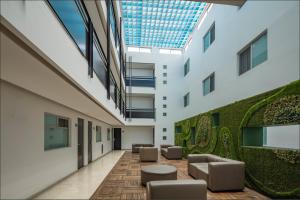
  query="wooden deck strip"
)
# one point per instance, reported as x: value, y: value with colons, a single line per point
x: 124, y: 183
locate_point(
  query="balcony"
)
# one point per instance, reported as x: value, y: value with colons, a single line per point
x: 140, y: 81
x: 148, y: 113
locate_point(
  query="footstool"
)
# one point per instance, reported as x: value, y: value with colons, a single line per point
x: 157, y: 173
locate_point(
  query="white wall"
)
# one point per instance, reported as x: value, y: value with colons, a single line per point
x: 171, y: 90
x: 141, y: 102
x: 136, y: 135
x: 25, y: 167
x: 142, y: 72
x: 235, y: 28
x: 36, y: 24
x: 283, y: 136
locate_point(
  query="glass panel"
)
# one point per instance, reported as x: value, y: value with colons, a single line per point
x: 245, y: 62
x: 212, y: 34
x: 253, y: 136
x: 206, y: 86
x: 72, y: 19
x: 99, y: 65
x: 193, y: 135
x: 212, y: 82
x: 98, y: 134
x: 259, y: 51
x: 108, y: 134
x: 283, y: 136
x: 56, y: 133
x: 206, y: 41
x: 273, y: 136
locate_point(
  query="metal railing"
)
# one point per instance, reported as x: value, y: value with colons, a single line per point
x: 141, y: 113
x: 140, y: 81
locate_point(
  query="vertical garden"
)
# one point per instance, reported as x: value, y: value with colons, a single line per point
x: 235, y: 131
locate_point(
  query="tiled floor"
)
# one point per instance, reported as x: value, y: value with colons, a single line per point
x: 124, y: 181
x: 82, y: 184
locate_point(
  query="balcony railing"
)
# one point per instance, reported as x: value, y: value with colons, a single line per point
x: 140, y: 113
x: 141, y: 81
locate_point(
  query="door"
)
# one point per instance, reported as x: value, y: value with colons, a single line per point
x: 80, y: 132
x: 117, y: 138
x: 90, y: 141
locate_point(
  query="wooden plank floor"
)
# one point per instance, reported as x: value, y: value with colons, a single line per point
x: 124, y: 182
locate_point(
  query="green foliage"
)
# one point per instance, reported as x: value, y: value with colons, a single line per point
x: 226, y: 148
x: 285, y: 110
x: 271, y: 171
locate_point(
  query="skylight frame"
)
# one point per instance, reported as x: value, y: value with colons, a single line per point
x: 161, y: 24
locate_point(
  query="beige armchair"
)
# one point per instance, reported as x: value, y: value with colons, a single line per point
x: 148, y: 154
x: 177, y: 189
x: 220, y: 173
x: 171, y: 152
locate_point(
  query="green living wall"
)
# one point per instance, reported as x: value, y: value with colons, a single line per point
x: 272, y: 171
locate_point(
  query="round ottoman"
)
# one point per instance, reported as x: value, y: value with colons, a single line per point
x: 158, y: 172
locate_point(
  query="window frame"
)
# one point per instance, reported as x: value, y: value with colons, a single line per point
x: 69, y: 130
x: 100, y: 128
x: 210, y: 85
x: 249, y: 45
x: 209, y: 32
x: 85, y: 17
x: 187, y: 67
x: 186, y: 99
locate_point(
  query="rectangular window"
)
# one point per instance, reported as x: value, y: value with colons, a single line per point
x: 209, y: 84
x: 164, y: 114
x: 193, y: 135
x: 164, y: 82
x: 164, y: 66
x: 164, y: 137
x: 186, y: 99
x: 98, y: 134
x: 164, y: 74
x: 164, y: 98
x: 99, y: 63
x: 56, y: 132
x: 253, y: 54
x: 164, y: 105
x: 164, y: 129
x: 73, y: 17
x: 108, y: 134
x: 209, y: 37
x: 178, y: 129
x: 187, y: 67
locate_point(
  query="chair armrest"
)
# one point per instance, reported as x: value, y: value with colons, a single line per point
x: 226, y: 175
x: 197, y: 158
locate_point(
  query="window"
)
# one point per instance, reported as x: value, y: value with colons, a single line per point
x: 164, y: 74
x: 193, y: 135
x: 253, y: 54
x: 164, y: 66
x: 186, y: 99
x: 98, y: 134
x: 209, y: 37
x: 164, y: 137
x: 72, y: 16
x: 164, y: 98
x: 178, y: 129
x: 164, y: 114
x: 164, y: 129
x: 215, y: 119
x: 141, y: 50
x: 187, y: 67
x: 108, y: 134
x: 164, y: 105
x: 99, y: 62
x: 209, y: 84
x: 164, y: 82
x: 56, y: 133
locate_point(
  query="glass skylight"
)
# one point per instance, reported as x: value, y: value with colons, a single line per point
x: 159, y: 23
